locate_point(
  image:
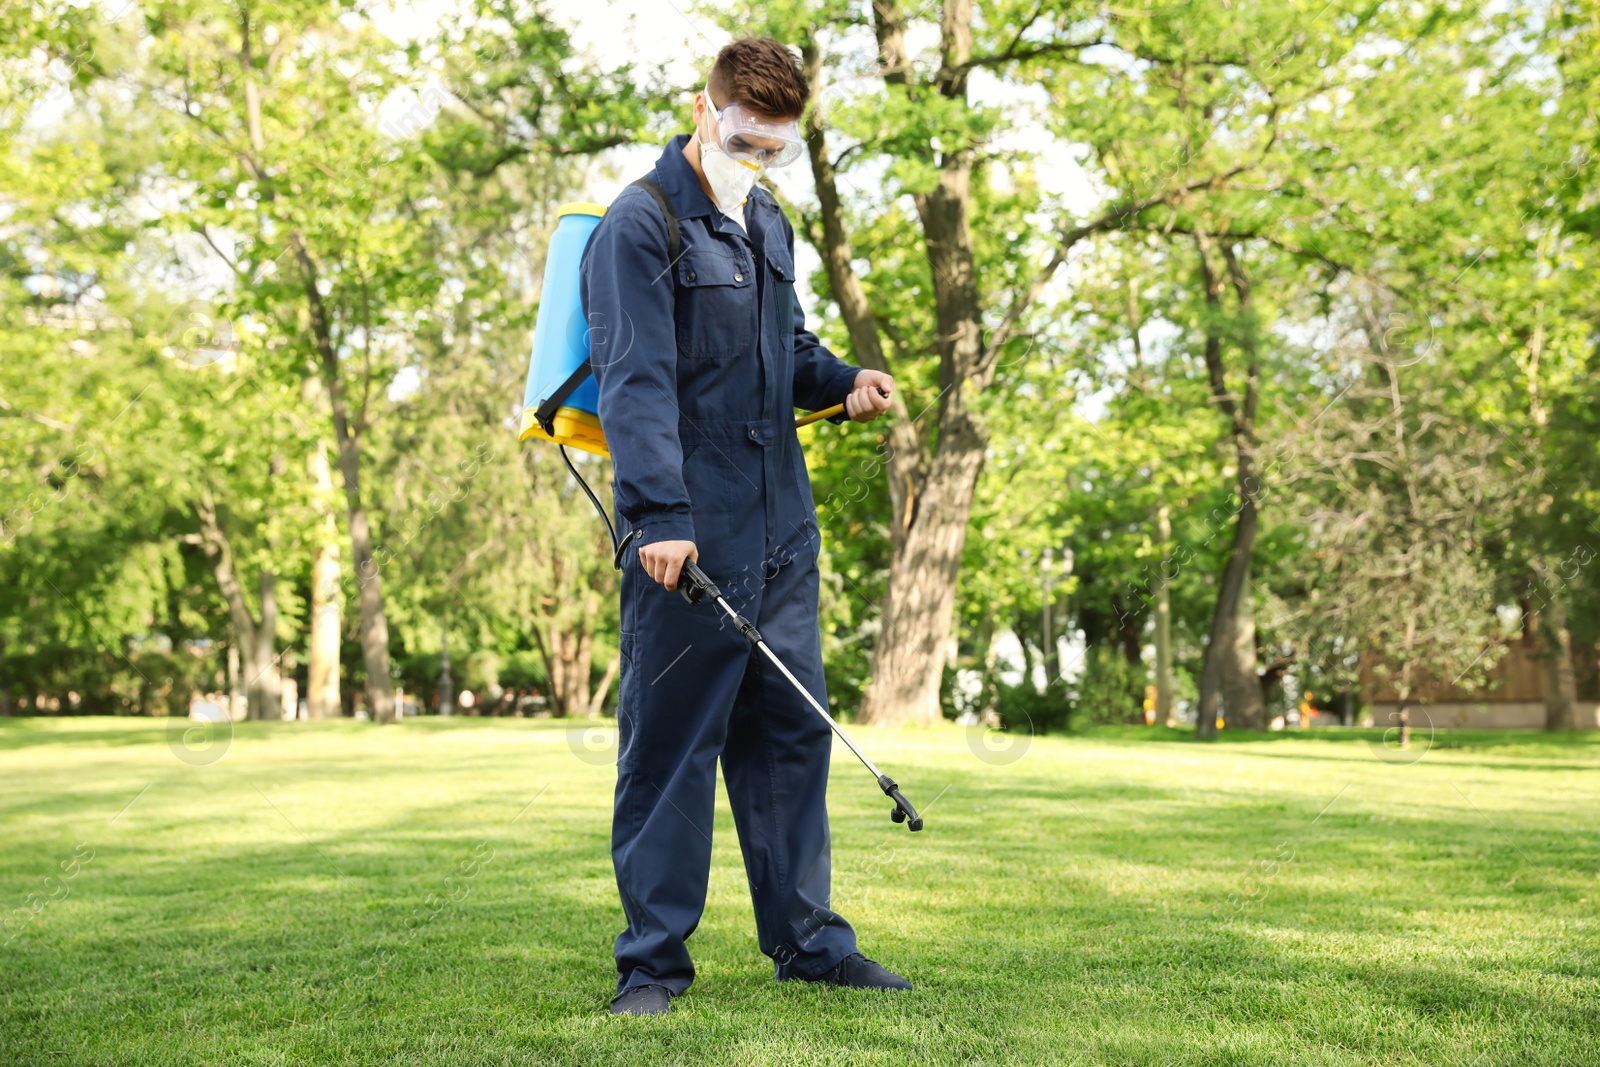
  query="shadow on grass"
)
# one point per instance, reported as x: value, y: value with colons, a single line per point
x: 1124, y: 970
x: 1336, y: 735
x: 21, y: 732
x: 27, y: 733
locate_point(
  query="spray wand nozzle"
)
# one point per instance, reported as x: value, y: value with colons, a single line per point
x: 903, y: 811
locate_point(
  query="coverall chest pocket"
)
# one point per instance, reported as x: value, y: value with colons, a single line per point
x: 781, y: 264
x: 716, y: 305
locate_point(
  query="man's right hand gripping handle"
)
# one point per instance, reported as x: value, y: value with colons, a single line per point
x: 663, y: 560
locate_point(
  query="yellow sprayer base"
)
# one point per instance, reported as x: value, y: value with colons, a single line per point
x: 573, y: 427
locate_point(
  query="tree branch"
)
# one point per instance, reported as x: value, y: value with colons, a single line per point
x: 1113, y: 218
x: 204, y: 231
x: 42, y: 420
x: 1215, y: 372
x: 1013, y: 54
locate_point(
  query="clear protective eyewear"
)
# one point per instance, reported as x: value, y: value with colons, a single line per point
x: 751, y: 139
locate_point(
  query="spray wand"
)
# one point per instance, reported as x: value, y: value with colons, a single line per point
x: 695, y: 586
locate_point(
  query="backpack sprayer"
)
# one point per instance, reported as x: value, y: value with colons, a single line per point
x: 562, y: 405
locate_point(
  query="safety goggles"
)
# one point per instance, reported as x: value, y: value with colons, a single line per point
x: 749, y: 138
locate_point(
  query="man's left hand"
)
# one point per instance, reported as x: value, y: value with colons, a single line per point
x: 866, y: 402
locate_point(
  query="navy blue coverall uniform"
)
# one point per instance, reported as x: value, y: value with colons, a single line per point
x: 700, y: 364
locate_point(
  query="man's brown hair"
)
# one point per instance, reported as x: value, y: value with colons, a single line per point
x: 759, y: 73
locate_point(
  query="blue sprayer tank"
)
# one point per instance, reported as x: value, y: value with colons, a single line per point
x: 561, y: 338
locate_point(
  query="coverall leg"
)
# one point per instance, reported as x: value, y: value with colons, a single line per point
x: 777, y: 753
x: 683, y: 701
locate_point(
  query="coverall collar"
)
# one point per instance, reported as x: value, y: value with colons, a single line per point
x: 678, y: 180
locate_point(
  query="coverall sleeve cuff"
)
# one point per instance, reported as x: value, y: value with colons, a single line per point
x: 673, y: 527
x: 844, y: 386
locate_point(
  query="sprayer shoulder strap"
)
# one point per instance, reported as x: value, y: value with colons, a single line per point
x: 546, y: 413
x: 674, y: 242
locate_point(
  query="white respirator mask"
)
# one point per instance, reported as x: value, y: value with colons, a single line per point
x: 748, y: 145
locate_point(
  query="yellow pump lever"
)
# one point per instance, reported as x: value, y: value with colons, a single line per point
x: 825, y: 413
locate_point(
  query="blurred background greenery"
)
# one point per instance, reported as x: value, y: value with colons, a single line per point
x: 1247, y: 354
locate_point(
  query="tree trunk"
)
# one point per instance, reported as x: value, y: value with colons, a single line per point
x: 369, y: 583
x: 374, y: 623
x: 568, y: 665
x: 557, y: 670
x: 1242, y: 700
x: 1052, y: 657
x: 1166, y: 712
x: 446, y: 687
x: 5, y: 686
x: 264, y: 689
x: 1229, y: 669
x: 250, y: 651
x: 1404, y: 685
x: 322, y: 668
x: 907, y: 461
x: 598, y: 699
x: 909, y: 658
x: 1129, y: 633
x: 1560, y: 683
x: 1231, y: 651
x: 289, y: 693
x: 578, y: 680
x: 931, y: 491
x: 235, y: 694
x: 1020, y: 632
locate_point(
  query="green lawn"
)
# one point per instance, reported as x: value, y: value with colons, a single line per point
x: 440, y: 892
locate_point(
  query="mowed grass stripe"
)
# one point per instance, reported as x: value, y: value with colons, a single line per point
x: 342, y: 893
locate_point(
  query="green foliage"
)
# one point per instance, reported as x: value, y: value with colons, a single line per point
x: 1426, y: 208
x: 1110, y: 690
x: 1025, y: 710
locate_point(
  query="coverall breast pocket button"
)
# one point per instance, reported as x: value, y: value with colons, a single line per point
x: 691, y: 276
x: 781, y: 265
x: 736, y: 277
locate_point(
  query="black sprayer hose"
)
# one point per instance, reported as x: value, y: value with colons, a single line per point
x: 611, y: 531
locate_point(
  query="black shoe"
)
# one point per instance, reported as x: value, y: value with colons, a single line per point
x: 642, y: 1000
x: 857, y: 972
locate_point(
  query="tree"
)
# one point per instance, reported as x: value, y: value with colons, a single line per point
x: 102, y: 606
x: 1398, y: 578
x: 1190, y: 110
x: 325, y: 224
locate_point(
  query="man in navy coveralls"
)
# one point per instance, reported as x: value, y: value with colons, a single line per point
x: 700, y: 363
